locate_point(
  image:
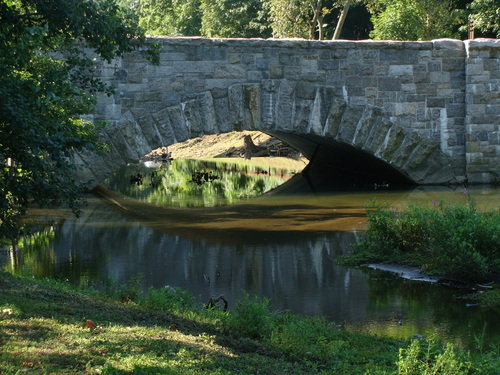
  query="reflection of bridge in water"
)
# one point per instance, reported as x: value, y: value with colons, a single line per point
x: 363, y: 112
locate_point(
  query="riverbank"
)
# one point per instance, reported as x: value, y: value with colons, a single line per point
x: 230, y: 145
x: 456, y: 245
x: 52, y: 327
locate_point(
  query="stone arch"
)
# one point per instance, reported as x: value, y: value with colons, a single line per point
x: 318, y: 120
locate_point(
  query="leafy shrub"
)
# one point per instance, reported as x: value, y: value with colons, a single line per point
x: 126, y: 292
x: 310, y: 337
x: 252, y: 318
x: 428, y: 358
x: 457, y: 240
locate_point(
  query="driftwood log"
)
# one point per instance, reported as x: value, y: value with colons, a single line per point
x: 251, y: 149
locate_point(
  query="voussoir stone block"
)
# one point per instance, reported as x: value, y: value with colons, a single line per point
x: 407, y: 104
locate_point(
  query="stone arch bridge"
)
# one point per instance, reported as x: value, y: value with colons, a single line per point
x: 361, y: 111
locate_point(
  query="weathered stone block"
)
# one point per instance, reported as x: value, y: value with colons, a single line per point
x: 389, y: 84
x: 405, y: 109
x: 436, y: 102
x: 424, y: 87
x: 400, y: 70
x: 439, y: 77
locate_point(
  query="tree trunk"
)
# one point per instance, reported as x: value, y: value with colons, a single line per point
x: 317, y: 20
x: 342, y: 18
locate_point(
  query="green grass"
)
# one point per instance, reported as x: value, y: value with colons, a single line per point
x: 165, y: 331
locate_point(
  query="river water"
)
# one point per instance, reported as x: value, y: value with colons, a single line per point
x: 295, y: 269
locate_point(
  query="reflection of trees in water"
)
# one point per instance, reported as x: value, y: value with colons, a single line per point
x: 296, y: 271
x: 195, y: 183
x: 420, y: 307
x: 33, y: 255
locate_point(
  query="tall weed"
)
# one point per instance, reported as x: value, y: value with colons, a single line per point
x: 429, y: 359
x: 252, y: 318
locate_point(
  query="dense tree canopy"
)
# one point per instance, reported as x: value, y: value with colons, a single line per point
x: 486, y: 15
x: 290, y: 18
x: 234, y: 18
x: 47, y: 84
x: 416, y: 19
x: 208, y: 18
x: 317, y: 19
x: 167, y: 17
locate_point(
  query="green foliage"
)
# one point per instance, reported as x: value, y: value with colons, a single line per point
x: 311, y: 19
x: 47, y: 84
x: 321, y: 342
x: 179, y: 185
x: 299, y: 19
x: 289, y: 18
x: 252, y: 318
x: 314, y: 338
x: 167, y: 17
x: 486, y: 15
x: 169, y: 299
x: 208, y: 18
x: 129, y: 291
x: 416, y: 20
x: 234, y: 19
x: 428, y: 358
x: 43, y: 330
x: 488, y: 298
x: 458, y: 240
x: 27, y: 259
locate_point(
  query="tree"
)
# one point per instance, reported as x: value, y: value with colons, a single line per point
x: 234, y: 19
x: 47, y: 84
x: 342, y: 17
x: 167, y: 17
x: 298, y: 19
x: 210, y: 18
x: 415, y: 19
x: 486, y: 15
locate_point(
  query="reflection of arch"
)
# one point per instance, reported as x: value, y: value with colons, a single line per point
x: 317, y: 120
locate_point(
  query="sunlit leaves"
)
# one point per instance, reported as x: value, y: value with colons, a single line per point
x: 289, y: 18
x: 234, y: 19
x: 486, y: 15
x: 415, y: 20
x: 167, y: 17
x: 209, y: 18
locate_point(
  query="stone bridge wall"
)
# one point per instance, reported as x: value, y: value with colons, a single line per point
x: 435, y: 105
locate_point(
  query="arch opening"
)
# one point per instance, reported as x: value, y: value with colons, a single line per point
x: 335, y: 165
x: 208, y: 171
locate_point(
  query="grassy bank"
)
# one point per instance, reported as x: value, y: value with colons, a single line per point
x: 49, y: 327
x: 456, y: 241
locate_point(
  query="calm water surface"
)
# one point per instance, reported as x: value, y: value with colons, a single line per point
x: 295, y: 270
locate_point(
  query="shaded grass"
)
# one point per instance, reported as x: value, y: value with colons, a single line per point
x: 43, y: 330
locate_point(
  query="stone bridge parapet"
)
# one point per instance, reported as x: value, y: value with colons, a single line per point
x: 424, y: 112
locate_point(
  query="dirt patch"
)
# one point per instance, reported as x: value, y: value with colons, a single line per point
x: 228, y: 145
